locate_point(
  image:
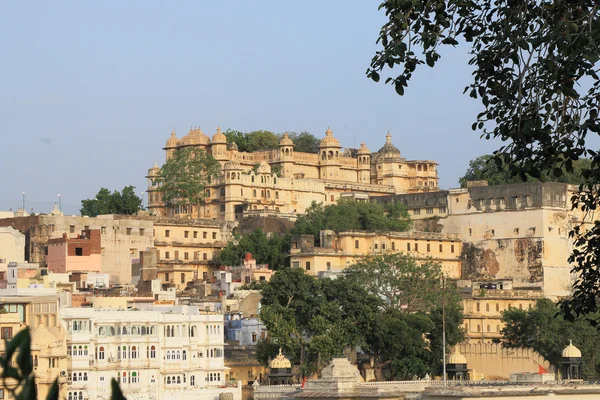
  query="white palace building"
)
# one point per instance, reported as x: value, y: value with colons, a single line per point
x: 161, y: 353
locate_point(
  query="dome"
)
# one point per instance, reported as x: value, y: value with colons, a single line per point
x: 233, y: 146
x: 232, y: 164
x: 388, y: 149
x: 456, y: 358
x: 194, y: 137
x: 286, y: 141
x: 263, y: 168
x: 571, y: 351
x: 280, y: 361
x: 329, y: 140
x: 219, y: 137
x: 363, y: 149
x: 172, y: 141
x: 155, y: 170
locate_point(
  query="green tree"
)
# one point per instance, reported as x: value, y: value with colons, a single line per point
x: 237, y: 137
x: 543, y: 330
x: 535, y: 73
x: 105, y: 202
x: 305, y: 142
x: 349, y: 215
x: 272, y: 250
x: 400, y: 280
x: 262, y: 140
x: 184, y: 177
x: 484, y: 168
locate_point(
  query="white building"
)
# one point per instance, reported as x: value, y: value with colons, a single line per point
x: 161, y: 353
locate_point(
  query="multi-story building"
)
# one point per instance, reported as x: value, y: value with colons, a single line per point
x: 338, y: 251
x: 516, y: 232
x: 79, y: 254
x: 249, y: 184
x: 48, y: 346
x: 121, y: 238
x: 160, y: 353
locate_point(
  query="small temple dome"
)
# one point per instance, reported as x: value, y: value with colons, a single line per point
x: 233, y: 146
x: 363, y: 149
x: 341, y: 369
x: 172, y: 141
x: 219, y: 137
x: 263, y: 168
x: 388, y: 149
x: 329, y: 140
x: 456, y: 358
x: 286, y: 141
x: 194, y: 137
x: 280, y: 361
x: 571, y: 351
x: 232, y: 164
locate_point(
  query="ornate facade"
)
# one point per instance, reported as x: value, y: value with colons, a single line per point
x: 286, y: 182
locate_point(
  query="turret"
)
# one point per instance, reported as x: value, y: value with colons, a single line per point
x: 363, y: 161
x: 329, y: 157
x: 286, y: 155
x: 219, y: 146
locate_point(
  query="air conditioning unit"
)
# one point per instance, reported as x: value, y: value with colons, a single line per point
x: 111, y: 359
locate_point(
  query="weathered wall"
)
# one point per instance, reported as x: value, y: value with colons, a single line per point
x: 12, y: 245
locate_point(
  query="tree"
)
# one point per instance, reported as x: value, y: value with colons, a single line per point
x: 305, y: 142
x: 542, y: 330
x: 484, y: 168
x: 184, y: 177
x: 22, y: 378
x: 349, y: 215
x: 105, y: 202
x: 400, y: 280
x: 271, y: 250
x: 535, y: 73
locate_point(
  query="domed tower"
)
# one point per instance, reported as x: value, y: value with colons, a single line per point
x: 329, y: 157
x: 195, y: 138
x: 171, y: 144
x: 219, y: 146
x: 286, y: 156
x: 280, y: 370
x: 387, y: 168
x: 456, y: 366
x: 571, y: 362
x: 363, y: 161
x: 155, y: 206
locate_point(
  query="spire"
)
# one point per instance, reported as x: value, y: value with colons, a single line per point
x: 173, y: 132
x: 155, y: 163
x: 328, y: 132
x: 219, y: 129
x: 388, y: 137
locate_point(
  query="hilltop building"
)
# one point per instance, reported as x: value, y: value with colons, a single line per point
x: 248, y: 183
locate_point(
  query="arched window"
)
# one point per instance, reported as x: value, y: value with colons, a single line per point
x: 262, y: 179
x: 168, y: 355
x: 124, y: 352
x: 192, y: 380
x: 497, y: 307
x: 70, y: 396
x: 80, y: 351
x: 101, y: 353
x: 254, y: 193
x: 85, y: 350
x: 134, y: 377
x: 208, y: 193
x: 487, y: 307
x: 168, y: 380
x: 488, y: 328
x: 178, y: 379
x: 178, y: 355
x: 277, y: 195
x: 80, y: 395
x: 133, y: 352
x: 252, y: 178
x: 478, y: 328
x: 153, y: 352
x: 212, y: 354
x: 268, y: 194
x: 222, y: 191
x: 85, y: 376
x: 184, y: 355
x: 74, y: 377
x: 35, y: 361
x: 68, y: 350
x: 124, y: 331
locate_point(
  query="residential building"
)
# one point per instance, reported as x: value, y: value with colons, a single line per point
x: 122, y: 237
x: 285, y: 182
x: 78, y: 254
x: 159, y: 353
x: 48, y: 346
x: 340, y: 250
x: 12, y: 245
x: 249, y: 271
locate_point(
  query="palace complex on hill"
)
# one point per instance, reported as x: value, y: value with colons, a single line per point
x: 249, y: 186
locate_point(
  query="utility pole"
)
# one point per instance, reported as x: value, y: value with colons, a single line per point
x: 59, y: 203
x: 444, y: 328
x: 23, y: 193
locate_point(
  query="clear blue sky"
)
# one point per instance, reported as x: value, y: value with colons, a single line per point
x: 89, y: 91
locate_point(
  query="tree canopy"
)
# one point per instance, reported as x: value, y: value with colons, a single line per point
x: 185, y: 175
x: 542, y: 330
x: 348, y: 215
x: 484, y: 168
x: 535, y: 73
x: 105, y: 202
x: 314, y: 320
x: 265, y: 140
x: 272, y: 250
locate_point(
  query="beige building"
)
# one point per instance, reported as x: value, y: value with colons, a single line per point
x: 121, y: 238
x: 301, y: 179
x: 48, y: 346
x: 338, y: 251
x: 12, y: 245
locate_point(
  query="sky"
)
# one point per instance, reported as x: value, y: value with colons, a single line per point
x: 90, y: 91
